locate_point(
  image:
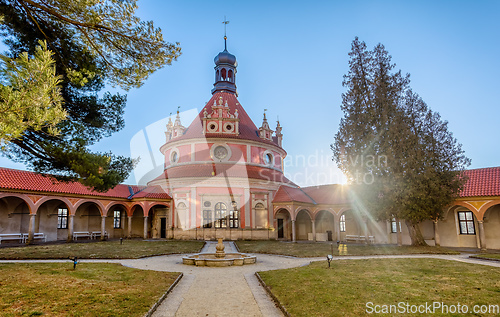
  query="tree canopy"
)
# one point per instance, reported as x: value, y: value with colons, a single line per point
x: 30, y: 94
x: 400, y: 157
x: 94, y: 43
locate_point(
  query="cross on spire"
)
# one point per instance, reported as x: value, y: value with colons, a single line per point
x: 225, y: 22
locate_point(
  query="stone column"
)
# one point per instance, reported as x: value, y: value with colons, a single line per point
x: 31, y: 229
x: 71, y: 227
x: 399, y: 233
x: 437, y: 240
x: 146, y: 227
x: 337, y: 228
x: 314, y: 229
x: 294, y: 238
x: 103, y: 228
x: 129, y: 235
x: 482, y: 237
x: 365, y: 230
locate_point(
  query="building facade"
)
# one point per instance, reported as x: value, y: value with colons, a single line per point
x: 223, y: 177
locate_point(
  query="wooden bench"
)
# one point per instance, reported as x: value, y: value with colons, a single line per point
x: 36, y: 236
x: 11, y: 237
x: 97, y: 234
x: 359, y: 239
x: 81, y: 234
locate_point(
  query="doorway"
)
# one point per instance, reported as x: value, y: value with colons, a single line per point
x: 163, y: 228
x: 281, y: 230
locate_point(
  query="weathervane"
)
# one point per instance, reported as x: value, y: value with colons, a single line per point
x: 225, y: 22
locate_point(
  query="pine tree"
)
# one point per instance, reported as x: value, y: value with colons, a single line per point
x: 94, y: 43
x: 398, y: 154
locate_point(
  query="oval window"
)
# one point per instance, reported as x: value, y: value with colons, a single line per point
x: 174, y: 157
x: 268, y: 159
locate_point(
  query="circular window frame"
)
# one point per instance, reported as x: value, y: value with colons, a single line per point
x: 173, y: 152
x: 216, y: 159
x: 230, y: 124
x: 214, y: 130
x: 268, y: 154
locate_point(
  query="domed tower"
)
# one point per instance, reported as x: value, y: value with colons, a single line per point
x: 222, y: 171
x: 225, y: 72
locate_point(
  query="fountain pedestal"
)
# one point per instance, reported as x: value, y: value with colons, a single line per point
x: 219, y: 250
x: 219, y: 258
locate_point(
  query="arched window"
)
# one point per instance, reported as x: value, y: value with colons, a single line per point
x: 260, y: 216
x: 223, y: 74
x: 183, y: 215
x: 117, y: 219
x: 234, y: 216
x: 220, y: 215
x: 207, y: 214
x: 342, y: 223
x: 62, y: 218
x: 230, y: 76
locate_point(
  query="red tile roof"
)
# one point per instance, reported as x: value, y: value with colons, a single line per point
x: 482, y: 182
x: 324, y: 194
x: 289, y: 194
x: 328, y: 194
x: 247, y: 129
x: 153, y: 192
x: 209, y: 170
x: 23, y: 180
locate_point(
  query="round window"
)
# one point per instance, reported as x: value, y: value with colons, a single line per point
x: 207, y: 204
x: 174, y: 157
x: 220, y: 152
x: 268, y: 159
x: 212, y: 127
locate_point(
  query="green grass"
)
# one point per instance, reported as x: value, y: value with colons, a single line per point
x: 93, y: 289
x: 306, y: 249
x: 494, y: 256
x: 345, y: 288
x: 131, y: 249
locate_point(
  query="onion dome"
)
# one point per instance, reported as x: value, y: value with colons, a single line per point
x: 225, y: 57
x: 225, y: 72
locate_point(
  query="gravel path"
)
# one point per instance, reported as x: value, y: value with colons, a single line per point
x: 233, y: 291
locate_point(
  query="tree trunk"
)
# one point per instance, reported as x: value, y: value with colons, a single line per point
x: 417, y: 239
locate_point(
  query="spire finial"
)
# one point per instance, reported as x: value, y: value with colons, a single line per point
x: 225, y: 22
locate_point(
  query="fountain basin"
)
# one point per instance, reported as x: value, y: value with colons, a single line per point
x: 210, y: 259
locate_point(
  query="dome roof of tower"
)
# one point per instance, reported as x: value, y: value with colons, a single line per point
x: 247, y: 129
x: 225, y: 57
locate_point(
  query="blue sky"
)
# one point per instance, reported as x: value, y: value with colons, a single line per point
x: 292, y: 56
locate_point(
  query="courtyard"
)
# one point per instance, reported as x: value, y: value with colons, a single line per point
x: 304, y: 285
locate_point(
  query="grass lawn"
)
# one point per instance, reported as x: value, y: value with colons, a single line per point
x: 93, y: 289
x: 344, y: 289
x: 495, y: 256
x: 306, y: 249
x: 131, y: 249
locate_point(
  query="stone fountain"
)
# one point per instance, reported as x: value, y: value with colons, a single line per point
x: 219, y: 258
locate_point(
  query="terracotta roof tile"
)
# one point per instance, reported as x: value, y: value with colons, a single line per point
x: 289, y: 194
x: 154, y: 192
x: 248, y: 130
x: 23, y: 180
x: 209, y: 170
x: 325, y: 194
x: 482, y: 182
x: 328, y: 194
